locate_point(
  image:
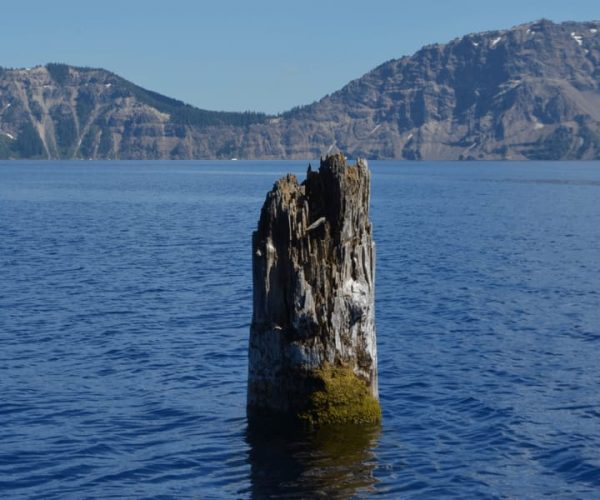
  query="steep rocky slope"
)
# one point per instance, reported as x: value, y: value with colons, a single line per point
x: 531, y: 92
x: 57, y: 111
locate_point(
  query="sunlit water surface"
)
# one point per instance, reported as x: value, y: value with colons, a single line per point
x: 125, y: 303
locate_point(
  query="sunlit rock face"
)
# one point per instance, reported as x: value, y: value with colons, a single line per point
x: 313, y: 349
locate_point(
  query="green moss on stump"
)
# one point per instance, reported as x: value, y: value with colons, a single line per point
x: 343, y: 398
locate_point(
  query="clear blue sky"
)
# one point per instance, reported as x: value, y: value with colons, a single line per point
x: 263, y: 55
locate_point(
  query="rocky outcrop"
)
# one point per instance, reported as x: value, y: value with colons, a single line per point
x: 530, y: 92
x: 59, y: 111
x: 313, y: 353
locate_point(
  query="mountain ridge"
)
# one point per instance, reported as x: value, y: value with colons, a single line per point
x: 528, y: 92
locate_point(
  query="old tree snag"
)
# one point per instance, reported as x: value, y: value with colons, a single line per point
x: 313, y: 353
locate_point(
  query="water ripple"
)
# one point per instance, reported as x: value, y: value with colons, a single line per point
x: 124, y: 317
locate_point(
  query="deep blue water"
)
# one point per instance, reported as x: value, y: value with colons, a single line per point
x: 125, y: 303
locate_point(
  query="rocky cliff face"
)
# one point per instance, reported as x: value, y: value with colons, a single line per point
x: 313, y: 351
x: 531, y: 92
x: 57, y: 111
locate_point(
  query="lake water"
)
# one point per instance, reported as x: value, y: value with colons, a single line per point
x: 125, y: 304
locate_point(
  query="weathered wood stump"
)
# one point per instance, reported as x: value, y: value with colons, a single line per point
x: 313, y: 353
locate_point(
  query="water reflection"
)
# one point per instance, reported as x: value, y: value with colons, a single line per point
x: 326, y: 463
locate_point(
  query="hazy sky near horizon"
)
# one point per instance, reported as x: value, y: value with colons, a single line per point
x: 262, y: 55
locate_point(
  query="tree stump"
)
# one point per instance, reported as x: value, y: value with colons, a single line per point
x: 312, y: 352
